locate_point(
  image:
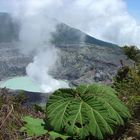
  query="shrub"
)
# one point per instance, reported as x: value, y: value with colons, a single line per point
x: 88, y: 110
x: 127, y: 84
x: 131, y: 52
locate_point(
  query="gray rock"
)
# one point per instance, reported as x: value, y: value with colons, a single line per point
x: 82, y: 64
x: 89, y: 63
x: 12, y: 63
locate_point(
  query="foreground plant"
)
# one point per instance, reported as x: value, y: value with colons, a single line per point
x: 88, y: 110
x: 35, y: 127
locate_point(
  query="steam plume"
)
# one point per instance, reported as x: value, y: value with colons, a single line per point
x: 35, y: 36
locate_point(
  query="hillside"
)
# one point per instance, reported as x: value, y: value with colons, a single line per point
x: 8, y: 28
x: 88, y: 64
x: 84, y: 59
x: 67, y: 35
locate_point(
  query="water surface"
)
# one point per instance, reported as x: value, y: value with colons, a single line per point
x: 27, y: 84
x: 21, y: 83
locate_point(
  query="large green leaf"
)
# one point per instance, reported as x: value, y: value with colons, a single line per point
x: 33, y: 126
x: 87, y: 110
x: 54, y: 135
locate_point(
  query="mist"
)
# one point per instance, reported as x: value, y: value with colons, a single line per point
x: 39, y: 70
x: 35, y: 36
x: 108, y: 20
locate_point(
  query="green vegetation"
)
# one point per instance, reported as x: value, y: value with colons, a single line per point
x: 127, y: 84
x: 10, y: 116
x: 36, y: 127
x: 12, y: 111
x: 131, y: 52
x: 88, y: 110
x: 85, y: 112
x: 33, y: 127
x: 127, y: 80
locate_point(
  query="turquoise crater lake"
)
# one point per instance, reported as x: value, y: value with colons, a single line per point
x: 27, y: 84
x: 21, y: 83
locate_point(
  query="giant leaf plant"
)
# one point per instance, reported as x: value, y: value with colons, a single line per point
x: 88, y: 110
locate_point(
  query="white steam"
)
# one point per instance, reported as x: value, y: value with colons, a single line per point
x: 35, y: 33
x: 35, y: 36
x: 39, y: 69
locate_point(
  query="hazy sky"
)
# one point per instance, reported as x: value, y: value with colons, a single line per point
x: 117, y: 21
x: 133, y: 7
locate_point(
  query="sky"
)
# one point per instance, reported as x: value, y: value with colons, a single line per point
x: 134, y: 8
x: 116, y: 21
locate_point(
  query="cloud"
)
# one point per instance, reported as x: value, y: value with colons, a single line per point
x: 108, y: 20
x: 104, y: 19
